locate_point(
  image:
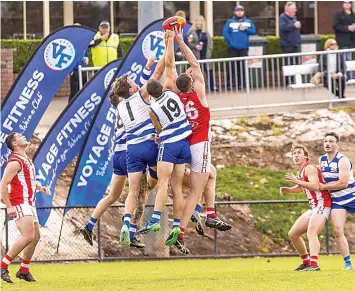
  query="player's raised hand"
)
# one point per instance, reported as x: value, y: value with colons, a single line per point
x: 170, y: 34
x: 291, y: 178
x: 178, y: 35
x: 150, y: 62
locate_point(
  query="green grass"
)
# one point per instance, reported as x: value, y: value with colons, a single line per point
x: 244, y: 183
x: 231, y: 274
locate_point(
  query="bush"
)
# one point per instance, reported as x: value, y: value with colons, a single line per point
x: 25, y: 48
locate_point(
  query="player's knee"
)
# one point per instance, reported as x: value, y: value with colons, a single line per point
x: 28, y: 238
x: 312, y: 232
x: 292, y: 235
x: 338, y: 232
x: 36, y: 237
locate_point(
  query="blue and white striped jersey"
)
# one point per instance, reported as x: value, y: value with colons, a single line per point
x: 172, y: 117
x: 330, y: 172
x: 120, y: 136
x: 134, y: 113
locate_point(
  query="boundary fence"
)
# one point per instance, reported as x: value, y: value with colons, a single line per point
x: 71, y: 247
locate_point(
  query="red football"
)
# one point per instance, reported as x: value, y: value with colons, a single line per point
x: 173, y: 21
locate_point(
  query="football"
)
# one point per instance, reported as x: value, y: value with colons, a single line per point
x: 174, y: 21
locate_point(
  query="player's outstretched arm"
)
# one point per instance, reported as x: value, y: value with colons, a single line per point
x: 10, y: 172
x: 196, y: 73
x: 158, y: 73
x: 294, y: 189
x: 342, y: 183
x: 170, y: 69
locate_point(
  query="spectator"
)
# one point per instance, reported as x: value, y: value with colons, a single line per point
x: 290, y: 35
x: 236, y: 33
x: 181, y: 13
x: 344, y: 28
x: 74, y: 75
x: 333, y: 64
x: 201, y: 44
x: 106, y: 46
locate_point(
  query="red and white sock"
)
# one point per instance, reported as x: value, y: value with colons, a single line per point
x: 181, y: 235
x: 6, y: 261
x: 211, y: 213
x: 314, y: 261
x: 25, y: 266
x: 305, y: 259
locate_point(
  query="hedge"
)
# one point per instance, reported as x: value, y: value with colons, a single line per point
x: 25, y: 48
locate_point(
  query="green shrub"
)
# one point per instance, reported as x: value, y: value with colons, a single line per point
x: 25, y: 48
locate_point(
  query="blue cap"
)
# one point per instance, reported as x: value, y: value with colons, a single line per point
x: 239, y: 7
x: 348, y: 2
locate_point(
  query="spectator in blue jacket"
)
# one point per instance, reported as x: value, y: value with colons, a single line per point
x: 236, y: 33
x: 290, y: 35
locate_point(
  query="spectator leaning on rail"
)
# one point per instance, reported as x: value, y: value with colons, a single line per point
x: 74, y: 75
x: 333, y: 64
x: 106, y: 46
x: 236, y: 33
x: 201, y: 44
x: 344, y: 28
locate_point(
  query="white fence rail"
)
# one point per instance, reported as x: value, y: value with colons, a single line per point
x: 270, y: 81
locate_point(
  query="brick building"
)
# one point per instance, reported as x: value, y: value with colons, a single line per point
x: 35, y: 19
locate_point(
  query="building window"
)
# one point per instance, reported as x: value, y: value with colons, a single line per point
x: 222, y: 11
x: 91, y: 13
x: 126, y: 16
x: 34, y: 19
x: 11, y: 19
x: 170, y: 8
x: 305, y: 14
x: 56, y: 14
x: 262, y: 14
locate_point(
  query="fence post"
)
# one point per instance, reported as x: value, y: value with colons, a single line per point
x: 327, y: 236
x: 6, y: 231
x: 215, y: 236
x: 80, y: 72
x: 247, y: 85
x: 99, y: 254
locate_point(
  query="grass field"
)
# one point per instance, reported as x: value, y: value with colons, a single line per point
x: 227, y: 274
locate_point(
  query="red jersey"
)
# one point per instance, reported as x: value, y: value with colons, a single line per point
x: 315, y: 198
x: 23, y: 185
x: 198, y: 116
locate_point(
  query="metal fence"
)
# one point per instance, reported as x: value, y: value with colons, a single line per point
x: 269, y: 81
x: 259, y: 228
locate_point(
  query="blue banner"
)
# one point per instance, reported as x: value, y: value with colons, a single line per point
x: 94, y: 168
x: 66, y: 137
x: 39, y: 80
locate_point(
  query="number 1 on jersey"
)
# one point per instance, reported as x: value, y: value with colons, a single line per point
x: 130, y: 111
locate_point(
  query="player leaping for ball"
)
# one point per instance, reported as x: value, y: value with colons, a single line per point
x: 312, y: 221
x: 119, y: 175
x: 170, y: 122
x: 193, y: 95
x: 142, y: 150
